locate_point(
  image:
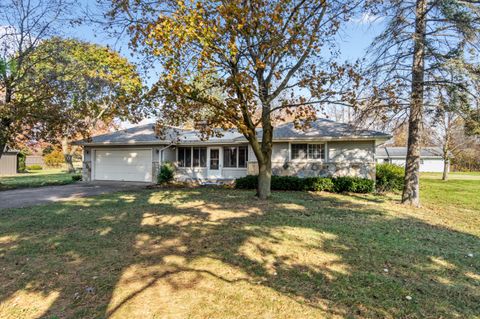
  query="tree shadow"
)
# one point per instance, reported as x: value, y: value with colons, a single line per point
x: 178, y: 251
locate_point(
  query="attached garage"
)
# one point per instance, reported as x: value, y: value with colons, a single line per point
x: 127, y: 164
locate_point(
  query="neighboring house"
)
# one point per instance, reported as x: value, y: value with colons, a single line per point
x: 326, y: 148
x: 431, y: 159
x: 9, y: 163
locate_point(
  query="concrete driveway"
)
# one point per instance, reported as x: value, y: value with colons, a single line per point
x: 34, y: 196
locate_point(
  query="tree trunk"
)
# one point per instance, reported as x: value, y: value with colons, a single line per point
x: 445, y: 169
x: 68, y: 155
x: 411, y: 190
x: 264, y: 179
x: 446, y: 159
x: 5, y: 122
x: 69, y: 161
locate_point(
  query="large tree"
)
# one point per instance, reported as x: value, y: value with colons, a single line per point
x: 89, y: 86
x: 264, y: 57
x: 23, y: 25
x: 412, y: 56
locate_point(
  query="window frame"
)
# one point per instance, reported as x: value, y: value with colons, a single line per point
x: 192, y: 154
x: 237, y: 155
x: 199, y: 148
x: 322, y: 158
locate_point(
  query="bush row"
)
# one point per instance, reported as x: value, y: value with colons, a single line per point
x: 293, y: 183
x: 389, y: 178
x: 34, y: 167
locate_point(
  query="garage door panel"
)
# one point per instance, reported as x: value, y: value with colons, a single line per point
x: 124, y: 165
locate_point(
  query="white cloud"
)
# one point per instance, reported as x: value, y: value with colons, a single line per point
x: 368, y: 18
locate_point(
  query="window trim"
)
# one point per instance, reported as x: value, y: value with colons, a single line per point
x: 322, y: 159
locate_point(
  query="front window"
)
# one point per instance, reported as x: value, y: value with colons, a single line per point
x: 230, y: 157
x: 299, y: 151
x: 242, y: 156
x: 199, y: 157
x: 184, y: 156
x: 234, y: 157
x: 308, y: 151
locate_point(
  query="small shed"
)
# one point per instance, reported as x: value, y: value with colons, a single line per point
x: 9, y: 163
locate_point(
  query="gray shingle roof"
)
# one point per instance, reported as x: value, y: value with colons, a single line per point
x: 142, y: 134
x: 385, y: 152
x: 323, y: 128
x: 320, y: 129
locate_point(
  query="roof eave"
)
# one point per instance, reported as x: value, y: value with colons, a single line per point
x: 122, y: 143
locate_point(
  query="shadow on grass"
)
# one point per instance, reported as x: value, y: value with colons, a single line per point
x: 97, y: 257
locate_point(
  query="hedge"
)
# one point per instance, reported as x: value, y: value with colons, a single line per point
x: 293, y: 183
x: 34, y: 167
x: 389, y: 177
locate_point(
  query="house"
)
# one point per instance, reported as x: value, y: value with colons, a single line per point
x: 431, y: 158
x: 9, y: 162
x: 326, y: 148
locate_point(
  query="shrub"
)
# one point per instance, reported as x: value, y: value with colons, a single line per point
x: 76, y: 177
x: 389, y: 178
x: 293, y: 183
x: 353, y: 185
x: 35, y: 167
x: 247, y: 182
x: 287, y: 183
x: 54, y: 159
x: 318, y: 184
x: 21, y: 157
x: 166, y: 173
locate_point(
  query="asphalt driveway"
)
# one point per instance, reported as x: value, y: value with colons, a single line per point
x: 34, y: 196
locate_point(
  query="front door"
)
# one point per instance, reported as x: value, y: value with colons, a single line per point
x: 214, y: 166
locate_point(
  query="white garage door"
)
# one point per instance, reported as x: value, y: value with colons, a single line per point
x: 123, y: 165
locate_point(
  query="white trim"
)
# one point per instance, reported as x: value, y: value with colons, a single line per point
x: 220, y: 162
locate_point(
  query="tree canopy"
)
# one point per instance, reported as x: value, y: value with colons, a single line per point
x: 412, y: 61
x: 264, y: 57
x: 81, y: 85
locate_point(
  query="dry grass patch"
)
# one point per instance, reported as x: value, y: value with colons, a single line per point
x: 218, y: 253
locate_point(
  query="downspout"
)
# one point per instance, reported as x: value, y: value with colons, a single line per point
x: 162, y: 149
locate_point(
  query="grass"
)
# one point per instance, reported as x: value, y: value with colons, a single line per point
x: 35, y: 179
x: 219, y: 253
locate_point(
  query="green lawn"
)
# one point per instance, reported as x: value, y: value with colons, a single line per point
x: 219, y: 253
x: 35, y: 179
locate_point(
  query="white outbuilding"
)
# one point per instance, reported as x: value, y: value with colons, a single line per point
x: 431, y: 159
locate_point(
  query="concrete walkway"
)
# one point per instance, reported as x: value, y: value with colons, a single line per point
x: 34, y: 196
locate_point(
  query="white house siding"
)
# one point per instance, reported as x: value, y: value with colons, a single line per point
x: 189, y: 173
x: 170, y: 154
x: 344, y: 158
x: 351, y: 151
x: 231, y: 173
x: 432, y: 165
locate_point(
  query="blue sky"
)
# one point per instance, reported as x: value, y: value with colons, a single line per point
x: 353, y: 39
